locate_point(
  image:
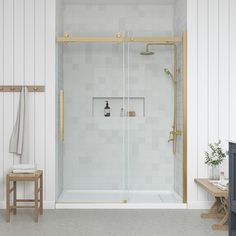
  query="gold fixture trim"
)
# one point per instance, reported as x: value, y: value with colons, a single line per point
x: 66, y: 38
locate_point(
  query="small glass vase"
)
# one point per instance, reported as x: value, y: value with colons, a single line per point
x: 214, y: 172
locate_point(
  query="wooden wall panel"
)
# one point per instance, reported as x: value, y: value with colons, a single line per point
x: 213, y: 44
x: 211, y: 82
x: 19, y: 67
x: 50, y: 32
x: 1, y: 100
x: 202, y: 86
x: 213, y: 74
x: 224, y: 76
x: 192, y: 92
x: 40, y: 79
x: 232, y: 49
x: 25, y: 48
x: 8, y: 78
x: 30, y: 80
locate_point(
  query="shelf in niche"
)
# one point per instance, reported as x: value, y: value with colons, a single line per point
x: 136, y: 104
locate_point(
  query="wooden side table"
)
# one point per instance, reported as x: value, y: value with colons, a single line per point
x: 220, y: 207
x: 35, y: 177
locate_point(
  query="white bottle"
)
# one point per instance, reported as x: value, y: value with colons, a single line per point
x: 122, y: 112
x: 222, y: 178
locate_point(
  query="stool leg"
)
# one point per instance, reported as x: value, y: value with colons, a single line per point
x: 36, y: 200
x: 7, y: 199
x: 14, y: 197
x: 41, y: 194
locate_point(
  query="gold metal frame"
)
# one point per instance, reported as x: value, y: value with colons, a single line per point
x: 174, y: 132
x: 66, y: 38
x: 184, y: 102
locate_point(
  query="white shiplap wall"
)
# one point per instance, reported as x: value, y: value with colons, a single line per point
x: 27, y: 57
x: 211, y: 84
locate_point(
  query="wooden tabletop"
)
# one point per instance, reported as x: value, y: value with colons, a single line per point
x: 28, y: 176
x: 210, y: 188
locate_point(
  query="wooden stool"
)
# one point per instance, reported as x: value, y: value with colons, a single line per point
x: 35, y: 177
x: 219, y: 209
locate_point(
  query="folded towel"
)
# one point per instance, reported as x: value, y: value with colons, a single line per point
x: 221, y: 187
x: 24, y: 167
x: 24, y: 171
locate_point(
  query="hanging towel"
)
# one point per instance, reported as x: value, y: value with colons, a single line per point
x: 19, y: 138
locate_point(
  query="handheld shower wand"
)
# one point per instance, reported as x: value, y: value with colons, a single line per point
x: 174, y: 132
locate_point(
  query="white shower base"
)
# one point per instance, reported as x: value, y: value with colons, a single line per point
x: 89, y: 196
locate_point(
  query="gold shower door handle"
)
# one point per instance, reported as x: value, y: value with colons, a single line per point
x: 61, y: 115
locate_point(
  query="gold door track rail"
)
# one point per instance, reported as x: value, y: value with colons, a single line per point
x: 18, y: 88
x: 117, y: 39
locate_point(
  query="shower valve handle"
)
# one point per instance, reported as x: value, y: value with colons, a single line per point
x: 171, y: 138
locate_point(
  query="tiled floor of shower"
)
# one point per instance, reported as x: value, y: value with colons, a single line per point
x: 80, y: 196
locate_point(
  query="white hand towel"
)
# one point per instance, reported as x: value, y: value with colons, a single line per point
x: 24, y: 167
x: 23, y: 171
x: 19, y: 137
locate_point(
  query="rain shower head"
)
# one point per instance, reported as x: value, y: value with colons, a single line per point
x: 147, y: 52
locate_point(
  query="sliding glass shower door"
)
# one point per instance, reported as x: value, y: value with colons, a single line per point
x: 120, y: 121
x: 94, y: 149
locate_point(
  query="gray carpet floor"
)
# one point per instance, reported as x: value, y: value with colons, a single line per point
x: 109, y: 223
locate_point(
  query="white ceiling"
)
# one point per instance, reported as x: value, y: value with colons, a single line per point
x: 119, y: 1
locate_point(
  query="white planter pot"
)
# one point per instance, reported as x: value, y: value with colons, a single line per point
x: 214, y: 172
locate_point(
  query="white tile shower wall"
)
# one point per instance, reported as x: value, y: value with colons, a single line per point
x: 27, y: 41
x: 93, y: 150
x: 180, y: 25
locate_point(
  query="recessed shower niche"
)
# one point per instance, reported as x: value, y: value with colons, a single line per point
x: 119, y: 106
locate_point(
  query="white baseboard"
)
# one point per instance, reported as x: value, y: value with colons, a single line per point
x: 120, y: 206
x: 46, y: 204
x: 190, y: 205
x: 49, y: 205
x: 200, y: 204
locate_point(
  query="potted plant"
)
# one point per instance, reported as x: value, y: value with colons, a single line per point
x: 213, y: 158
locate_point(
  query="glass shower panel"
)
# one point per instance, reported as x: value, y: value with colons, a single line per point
x: 94, y: 152
x: 178, y: 165
x: 149, y: 122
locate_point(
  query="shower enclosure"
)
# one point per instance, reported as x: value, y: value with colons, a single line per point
x: 137, y: 154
